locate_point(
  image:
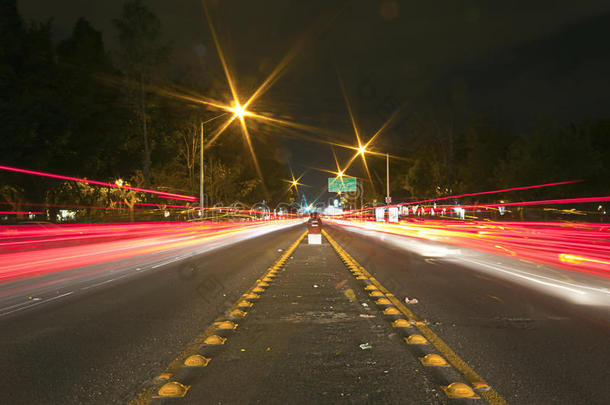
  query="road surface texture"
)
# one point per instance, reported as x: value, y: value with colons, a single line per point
x: 313, y: 336
x: 532, y: 348
x: 97, y: 346
x: 301, y: 344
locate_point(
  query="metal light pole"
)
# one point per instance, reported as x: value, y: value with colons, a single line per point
x: 388, y: 199
x: 201, y: 202
x: 361, y: 203
x: 201, y: 174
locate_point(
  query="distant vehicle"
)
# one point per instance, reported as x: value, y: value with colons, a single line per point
x: 314, y: 225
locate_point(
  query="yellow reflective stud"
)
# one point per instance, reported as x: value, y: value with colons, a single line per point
x: 267, y: 280
x: 376, y: 293
x: 459, y: 390
x: 214, y: 340
x: 370, y: 287
x: 244, y: 304
x: 173, y: 390
x: 383, y: 301
x: 416, y: 340
x: 391, y: 311
x: 196, y: 360
x: 226, y: 325
x: 433, y: 360
x: 262, y: 284
x: 401, y: 323
x: 251, y: 296
x: 236, y: 313
x: 165, y: 376
x: 362, y: 277
x: 258, y: 290
x: 481, y: 386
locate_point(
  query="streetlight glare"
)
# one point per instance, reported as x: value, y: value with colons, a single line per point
x: 361, y: 150
x: 239, y: 111
x: 340, y: 173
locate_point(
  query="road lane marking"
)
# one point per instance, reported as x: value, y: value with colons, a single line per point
x: 489, y: 394
x: 208, y: 337
x: 34, y: 304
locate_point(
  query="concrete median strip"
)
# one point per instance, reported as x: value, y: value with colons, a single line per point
x: 174, y: 382
x: 446, y: 367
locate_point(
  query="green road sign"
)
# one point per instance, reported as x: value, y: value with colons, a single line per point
x: 343, y: 184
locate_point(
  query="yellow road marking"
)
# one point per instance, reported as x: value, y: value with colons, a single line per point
x: 491, y: 396
x: 147, y: 394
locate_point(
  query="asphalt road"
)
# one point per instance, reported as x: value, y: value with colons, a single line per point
x: 98, y: 345
x: 313, y: 337
x: 531, y: 347
x: 101, y: 345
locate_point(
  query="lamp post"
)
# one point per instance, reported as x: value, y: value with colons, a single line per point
x: 201, y: 163
x: 388, y: 199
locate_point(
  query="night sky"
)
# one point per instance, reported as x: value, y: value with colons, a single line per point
x: 520, y: 62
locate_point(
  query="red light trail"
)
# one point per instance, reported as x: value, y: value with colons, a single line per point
x: 28, y: 250
x: 577, y: 246
x: 20, y: 212
x: 561, y: 183
x: 162, y: 194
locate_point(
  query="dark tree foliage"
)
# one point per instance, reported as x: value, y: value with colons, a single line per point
x: 95, y: 117
x: 485, y: 158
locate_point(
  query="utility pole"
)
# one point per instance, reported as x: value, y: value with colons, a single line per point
x: 201, y: 174
x: 201, y: 163
x: 362, y: 202
x: 388, y: 199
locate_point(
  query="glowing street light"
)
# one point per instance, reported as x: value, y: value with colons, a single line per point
x: 239, y: 111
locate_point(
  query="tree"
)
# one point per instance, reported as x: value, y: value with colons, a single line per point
x: 478, y: 154
x: 548, y: 155
x: 141, y: 53
x: 95, y: 119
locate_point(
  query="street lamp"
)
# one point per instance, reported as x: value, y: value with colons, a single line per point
x: 201, y: 163
x: 388, y: 199
x: 239, y: 111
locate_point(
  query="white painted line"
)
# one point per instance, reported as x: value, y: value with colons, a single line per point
x: 20, y: 305
x: 37, y: 303
x: 98, y: 284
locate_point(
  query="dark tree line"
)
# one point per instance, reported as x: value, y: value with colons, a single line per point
x: 77, y: 109
x: 485, y: 157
